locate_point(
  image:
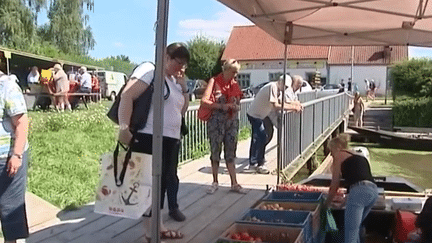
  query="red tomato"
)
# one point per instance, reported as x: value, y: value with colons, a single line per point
x: 244, y: 236
x: 236, y: 236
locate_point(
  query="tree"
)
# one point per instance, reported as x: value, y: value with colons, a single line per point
x: 205, y: 57
x: 413, y: 78
x: 68, y: 26
x: 17, y: 28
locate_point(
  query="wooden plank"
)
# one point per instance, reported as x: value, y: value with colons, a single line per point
x: 70, y: 221
x: 80, y: 234
x: 212, y: 232
x: 324, y: 166
x: 207, y: 215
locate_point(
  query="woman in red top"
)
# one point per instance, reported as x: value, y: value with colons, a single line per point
x: 222, y: 96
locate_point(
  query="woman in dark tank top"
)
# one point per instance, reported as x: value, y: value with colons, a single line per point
x: 356, y: 172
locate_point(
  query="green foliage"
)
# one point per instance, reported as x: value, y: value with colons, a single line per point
x: 205, y: 57
x: 413, y: 112
x: 68, y: 29
x: 65, y: 149
x: 413, y: 78
x: 16, y: 24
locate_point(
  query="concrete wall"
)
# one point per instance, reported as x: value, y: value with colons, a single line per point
x: 360, y: 73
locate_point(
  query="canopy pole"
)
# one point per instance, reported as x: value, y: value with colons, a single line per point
x: 7, y: 66
x: 280, y: 144
x: 161, y: 43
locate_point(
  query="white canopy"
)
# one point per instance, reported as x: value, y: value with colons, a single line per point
x: 341, y: 22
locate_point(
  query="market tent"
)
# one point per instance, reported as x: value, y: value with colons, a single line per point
x: 341, y: 22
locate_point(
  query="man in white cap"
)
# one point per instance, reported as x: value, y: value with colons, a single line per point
x: 266, y: 100
x: 85, y: 81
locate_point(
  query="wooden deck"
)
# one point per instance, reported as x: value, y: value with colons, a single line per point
x: 207, y: 215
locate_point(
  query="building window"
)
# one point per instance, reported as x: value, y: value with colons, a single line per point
x: 275, y: 76
x: 243, y: 79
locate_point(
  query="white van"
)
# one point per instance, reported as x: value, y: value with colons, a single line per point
x: 111, y: 83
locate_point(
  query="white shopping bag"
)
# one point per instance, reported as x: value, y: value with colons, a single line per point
x: 132, y: 198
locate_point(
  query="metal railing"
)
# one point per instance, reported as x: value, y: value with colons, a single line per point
x: 303, y: 129
x: 195, y: 143
x: 315, y: 94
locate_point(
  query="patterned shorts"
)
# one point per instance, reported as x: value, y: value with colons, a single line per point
x: 222, y: 129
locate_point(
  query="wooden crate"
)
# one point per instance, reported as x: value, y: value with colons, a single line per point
x: 270, y: 234
x: 314, y: 208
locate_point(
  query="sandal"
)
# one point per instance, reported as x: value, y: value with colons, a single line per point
x: 171, y: 234
x: 211, y: 189
x: 239, y: 189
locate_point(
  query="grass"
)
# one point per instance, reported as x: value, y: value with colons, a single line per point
x: 65, y: 149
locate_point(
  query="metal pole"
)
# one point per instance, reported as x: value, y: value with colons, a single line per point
x: 280, y: 147
x: 7, y: 66
x: 161, y: 43
x: 352, y: 65
x: 281, y: 125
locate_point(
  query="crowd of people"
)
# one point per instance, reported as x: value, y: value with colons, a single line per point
x: 60, y: 85
x: 222, y: 96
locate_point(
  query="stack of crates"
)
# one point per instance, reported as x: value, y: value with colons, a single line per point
x: 299, y: 202
x: 292, y: 217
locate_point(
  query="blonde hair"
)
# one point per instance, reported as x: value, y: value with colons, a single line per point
x: 341, y: 142
x: 231, y: 64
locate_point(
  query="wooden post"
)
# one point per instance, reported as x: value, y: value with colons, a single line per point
x: 311, y: 164
x: 326, y: 149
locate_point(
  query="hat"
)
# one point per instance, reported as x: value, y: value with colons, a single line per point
x: 58, y: 66
x: 288, y: 80
x: 84, y: 69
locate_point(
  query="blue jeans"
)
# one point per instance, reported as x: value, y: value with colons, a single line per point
x: 12, y: 201
x: 360, y: 200
x: 259, y: 141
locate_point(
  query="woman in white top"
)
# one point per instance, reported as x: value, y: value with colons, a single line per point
x: 175, y: 91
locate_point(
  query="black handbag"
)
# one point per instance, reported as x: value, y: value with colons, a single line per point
x: 140, y: 110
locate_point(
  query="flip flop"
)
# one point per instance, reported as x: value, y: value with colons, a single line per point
x: 238, y: 189
x: 171, y: 234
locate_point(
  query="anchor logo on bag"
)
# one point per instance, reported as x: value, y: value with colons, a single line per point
x: 133, y: 190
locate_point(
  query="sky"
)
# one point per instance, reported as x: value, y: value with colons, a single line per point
x: 127, y: 27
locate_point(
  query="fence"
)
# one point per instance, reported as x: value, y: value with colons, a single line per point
x: 303, y: 129
x: 312, y: 95
x: 195, y: 144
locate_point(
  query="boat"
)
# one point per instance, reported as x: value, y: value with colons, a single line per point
x: 396, y: 140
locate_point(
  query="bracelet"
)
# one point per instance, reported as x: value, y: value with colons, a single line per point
x: 123, y: 126
x: 19, y: 156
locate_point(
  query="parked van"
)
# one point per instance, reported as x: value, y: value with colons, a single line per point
x: 111, y: 83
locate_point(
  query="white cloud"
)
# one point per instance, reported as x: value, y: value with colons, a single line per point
x: 118, y: 45
x: 219, y: 27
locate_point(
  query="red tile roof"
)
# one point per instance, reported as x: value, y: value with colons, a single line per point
x: 247, y: 43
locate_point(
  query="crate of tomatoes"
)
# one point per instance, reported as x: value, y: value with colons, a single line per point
x: 313, y: 208
x: 262, y: 233
x: 295, y: 219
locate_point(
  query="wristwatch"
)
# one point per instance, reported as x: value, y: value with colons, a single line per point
x: 19, y: 156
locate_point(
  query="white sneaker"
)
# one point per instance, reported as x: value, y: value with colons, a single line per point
x: 250, y: 167
x: 262, y: 169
